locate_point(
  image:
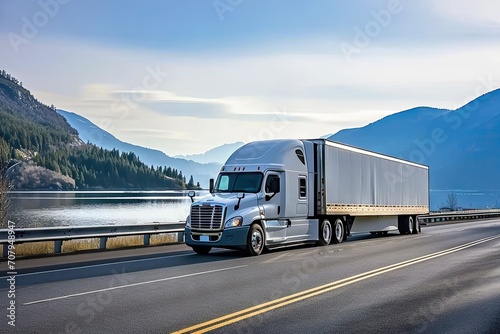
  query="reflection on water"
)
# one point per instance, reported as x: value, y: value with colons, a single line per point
x: 38, y: 209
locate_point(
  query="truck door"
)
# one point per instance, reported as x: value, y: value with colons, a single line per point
x: 297, y: 208
x: 271, y: 202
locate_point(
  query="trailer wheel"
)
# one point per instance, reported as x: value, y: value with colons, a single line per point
x: 416, y: 225
x: 410, y: 225
x: 325, y: 233
x: 405, y: 224
x: 202, y: 249
x: 338, y: 231
x: 255, y: 241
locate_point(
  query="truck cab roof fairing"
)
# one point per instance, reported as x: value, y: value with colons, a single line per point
x: 268, y: 154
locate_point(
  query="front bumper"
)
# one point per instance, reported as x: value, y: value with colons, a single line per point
x: 233, y: 238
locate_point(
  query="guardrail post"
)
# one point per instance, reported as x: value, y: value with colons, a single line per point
x: 58, y: 246
x: 147, y: 239
x: 102, y: 242
x: 180, y: 237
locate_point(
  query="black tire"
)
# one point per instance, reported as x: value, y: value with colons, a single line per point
x: 416, y: 225
x: 202, y: 249
x: 325, y: 233
x: 338, y: 231
x: 405, y: 224
x: 410, y: 225
x: 255, y: 240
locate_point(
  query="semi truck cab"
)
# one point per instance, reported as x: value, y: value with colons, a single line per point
x: 260, y: 199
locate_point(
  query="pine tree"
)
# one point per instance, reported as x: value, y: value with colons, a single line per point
x: 191, y: 182
x: 4, y: 154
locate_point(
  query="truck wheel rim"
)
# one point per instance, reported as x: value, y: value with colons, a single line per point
x: 338, y: 231
x: 256, y: 240
x: 327, y: 232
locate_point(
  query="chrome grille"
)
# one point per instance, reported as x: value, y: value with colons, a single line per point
x: 207, y: 216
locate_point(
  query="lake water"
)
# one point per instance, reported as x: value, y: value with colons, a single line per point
x: 79, y: 208
x: 466, y: 199
x: 83, y: 208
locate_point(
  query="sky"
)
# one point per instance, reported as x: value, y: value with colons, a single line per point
x: 186, y: 76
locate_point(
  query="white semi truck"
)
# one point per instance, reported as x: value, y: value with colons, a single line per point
x: 276, y: 193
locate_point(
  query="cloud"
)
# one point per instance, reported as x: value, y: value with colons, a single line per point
x: 172, y: 104
x: 484, y: 13
x: 188, y: 109
x: 207, y: 99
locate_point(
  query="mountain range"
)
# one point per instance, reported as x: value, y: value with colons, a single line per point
x: 460, y: 146
x: 217, y: 155
x: 89, y: 132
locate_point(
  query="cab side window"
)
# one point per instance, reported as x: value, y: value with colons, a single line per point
x: 302, y: 188
x: 272, y: 184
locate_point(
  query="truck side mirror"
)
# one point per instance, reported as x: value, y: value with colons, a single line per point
x: 191, y: 195
x: 211, y: 185
x: 239, y: 196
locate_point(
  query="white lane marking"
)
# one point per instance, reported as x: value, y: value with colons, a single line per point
x: 98, y: 265
x: 132, y: 285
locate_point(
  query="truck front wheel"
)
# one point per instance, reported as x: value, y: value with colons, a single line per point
x: 255, y: 241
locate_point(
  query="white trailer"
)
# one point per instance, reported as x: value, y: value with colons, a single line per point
x: 276, y: 193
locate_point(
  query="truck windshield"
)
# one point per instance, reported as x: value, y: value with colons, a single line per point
x: 239, y: 182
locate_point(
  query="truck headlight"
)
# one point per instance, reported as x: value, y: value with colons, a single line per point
x: 234, y: 222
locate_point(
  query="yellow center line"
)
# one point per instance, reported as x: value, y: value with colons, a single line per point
x: 277, y: 303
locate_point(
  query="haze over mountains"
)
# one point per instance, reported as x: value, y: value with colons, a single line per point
x: 89, y: 132
x: 216, y: 155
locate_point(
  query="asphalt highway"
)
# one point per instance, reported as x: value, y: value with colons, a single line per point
x: 444, y: 280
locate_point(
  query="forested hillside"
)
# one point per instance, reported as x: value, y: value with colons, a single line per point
x: 94, y: 167
x: 40, y: 150
x: 91, y: 133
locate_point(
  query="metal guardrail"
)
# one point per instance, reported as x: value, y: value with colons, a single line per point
x: 458, y: 215
x: 103, y: 232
